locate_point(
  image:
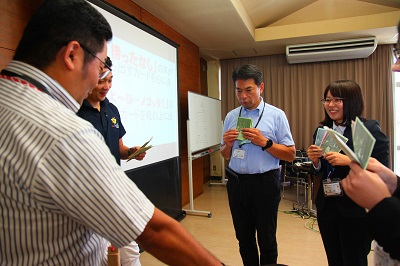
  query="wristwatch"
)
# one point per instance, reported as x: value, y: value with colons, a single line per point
x: 268, y: 145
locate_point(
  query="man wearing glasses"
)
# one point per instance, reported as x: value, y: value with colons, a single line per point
x: 107, y: 66
x: 63, y: 198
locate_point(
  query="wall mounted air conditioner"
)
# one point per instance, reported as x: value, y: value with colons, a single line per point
x: 328, y: 51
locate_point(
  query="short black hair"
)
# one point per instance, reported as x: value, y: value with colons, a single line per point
x: 57, y: 22
x: 108, y: 61
x: 248, y: 72
x: 353, y: 103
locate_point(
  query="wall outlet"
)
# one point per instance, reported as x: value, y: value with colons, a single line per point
x: 214, y: 168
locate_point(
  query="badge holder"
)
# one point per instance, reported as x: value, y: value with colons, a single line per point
x: 332, y: 187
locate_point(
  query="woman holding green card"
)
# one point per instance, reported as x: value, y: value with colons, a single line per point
x: 340, y: 220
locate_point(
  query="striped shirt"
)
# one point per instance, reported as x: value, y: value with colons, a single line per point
x: 61, y: 192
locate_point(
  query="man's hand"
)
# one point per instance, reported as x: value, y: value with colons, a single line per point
x: 255, y: 136
x: 140, y: 156
x: 387, y: 175
x: 365, y: 187
x: 230, y: 136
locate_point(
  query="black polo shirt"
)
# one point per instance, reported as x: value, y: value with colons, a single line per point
x: 107, y: 122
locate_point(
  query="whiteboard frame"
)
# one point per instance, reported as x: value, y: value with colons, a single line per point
x: 205, y: 127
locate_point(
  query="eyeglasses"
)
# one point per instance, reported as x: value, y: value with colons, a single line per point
x: 396, y: 53
x: 335, y: 100
x: 102, y: 74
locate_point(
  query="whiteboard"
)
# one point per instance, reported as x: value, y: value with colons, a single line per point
x: 205, y: 123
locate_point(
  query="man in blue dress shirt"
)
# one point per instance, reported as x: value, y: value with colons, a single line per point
x: 253, y: 173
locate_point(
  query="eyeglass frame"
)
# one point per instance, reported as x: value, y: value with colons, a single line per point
x: 104, y: 74
x: 336, y: 100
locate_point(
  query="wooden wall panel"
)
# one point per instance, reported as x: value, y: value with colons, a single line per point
x: 127, y: 6
x: 13, y: 18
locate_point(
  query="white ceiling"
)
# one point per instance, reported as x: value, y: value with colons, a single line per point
x: 240, y: 28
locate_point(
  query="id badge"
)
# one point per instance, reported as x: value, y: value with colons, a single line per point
x: 332, y: 187
x: 239, y: 153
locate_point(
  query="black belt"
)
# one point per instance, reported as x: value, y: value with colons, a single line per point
x: 233, y: 175
x: 269, y: 173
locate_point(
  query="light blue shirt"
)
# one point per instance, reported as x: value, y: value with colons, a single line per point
x: 339, y: 129
x: 273, y: 125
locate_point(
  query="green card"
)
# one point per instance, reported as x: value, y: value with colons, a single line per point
x: 243, y: 122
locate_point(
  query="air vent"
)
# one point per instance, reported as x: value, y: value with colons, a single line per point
x: 328, y: 51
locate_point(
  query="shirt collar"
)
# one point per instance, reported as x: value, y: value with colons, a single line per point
x: 105, y: 102
x: 339, y: 128
x: 259, y: 107
x: 55, y: 89
x: 87, y: 104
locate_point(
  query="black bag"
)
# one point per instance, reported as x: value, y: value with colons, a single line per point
x: 231, y: 174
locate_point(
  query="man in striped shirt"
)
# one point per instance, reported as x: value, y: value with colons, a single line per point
x: 63, y: 197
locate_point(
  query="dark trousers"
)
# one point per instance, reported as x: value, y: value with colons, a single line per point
x: 346, y: 241
x: 254, y: 201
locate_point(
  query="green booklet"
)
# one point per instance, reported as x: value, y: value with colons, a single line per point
x: 363, y: 143
x: 320, y: 136
x: 243, y: 122
x: 143, y: 148
x: 328, y: 143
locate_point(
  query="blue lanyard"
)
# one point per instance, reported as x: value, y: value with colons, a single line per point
x: 329, y: 170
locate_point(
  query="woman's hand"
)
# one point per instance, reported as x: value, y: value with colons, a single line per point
x: 336, y: 158
x: 314, y: 153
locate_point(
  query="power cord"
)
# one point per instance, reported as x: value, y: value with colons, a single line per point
x: 310, y: 216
